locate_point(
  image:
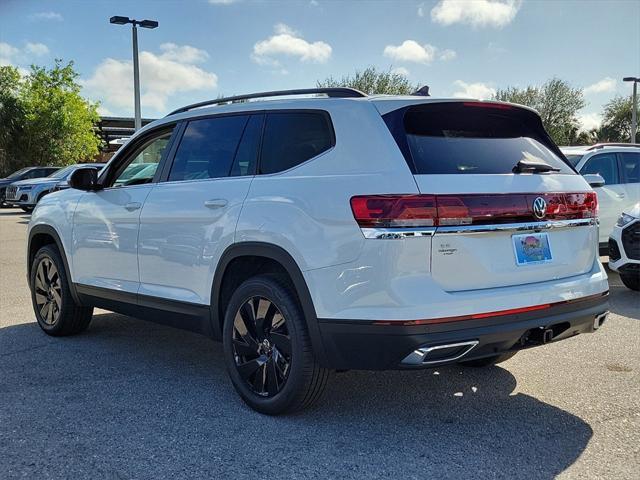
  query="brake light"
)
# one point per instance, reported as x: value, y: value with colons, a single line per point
x: 394, y: 210
x: 388, y: 211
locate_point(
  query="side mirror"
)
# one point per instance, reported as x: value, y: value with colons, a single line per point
x: 594, y: 179
x: 85, y: 178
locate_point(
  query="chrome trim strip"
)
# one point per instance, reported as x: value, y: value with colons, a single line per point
x: 417, y: 357
x: 518, y: 227
x: 398, y: 232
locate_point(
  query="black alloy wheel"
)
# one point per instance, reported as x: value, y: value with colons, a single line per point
x: 261, y: 346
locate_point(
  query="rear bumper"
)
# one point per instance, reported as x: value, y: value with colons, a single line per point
x: 353, y: 344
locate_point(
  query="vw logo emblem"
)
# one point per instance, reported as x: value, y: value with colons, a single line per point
x: 539, y: 207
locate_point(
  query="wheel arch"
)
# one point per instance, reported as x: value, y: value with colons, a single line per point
x: 39, y: 236
x: 271, y: 253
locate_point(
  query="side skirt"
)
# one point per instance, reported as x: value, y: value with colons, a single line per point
x: 186, y: 316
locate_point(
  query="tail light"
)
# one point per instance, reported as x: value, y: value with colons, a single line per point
x: 388, y: 211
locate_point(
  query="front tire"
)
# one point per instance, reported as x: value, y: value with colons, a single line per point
x: 631, y: 281
x: 267, y: 348
x: 56, y: 311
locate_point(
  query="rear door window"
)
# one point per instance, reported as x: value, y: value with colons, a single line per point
x: 291, y: 138
x: 604, y: 164
x: 208, y: 148
x: 461, y: 138
x: 631, y: 166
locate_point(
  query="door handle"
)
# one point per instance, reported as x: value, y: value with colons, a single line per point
x: 215, y: 203
x: 133, y: 206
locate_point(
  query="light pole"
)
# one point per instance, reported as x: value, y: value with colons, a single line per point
x: 136, y: 69
x: 634, y: 106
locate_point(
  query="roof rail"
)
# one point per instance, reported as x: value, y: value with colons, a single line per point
x: 605, y: 144
x: 334, y: 92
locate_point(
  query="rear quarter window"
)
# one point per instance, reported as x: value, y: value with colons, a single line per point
x: 291, y: 138
x: 455, y: 138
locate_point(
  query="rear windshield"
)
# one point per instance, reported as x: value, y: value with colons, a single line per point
x: 449, y: 138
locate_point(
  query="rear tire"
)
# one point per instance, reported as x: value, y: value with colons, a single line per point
x: 56, y: 311
x: 267, y: 348
x: 631, y: 281
x: 488, y: 361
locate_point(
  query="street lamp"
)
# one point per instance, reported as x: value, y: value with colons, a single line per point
x: 117, y: 20
x: 634, y: 106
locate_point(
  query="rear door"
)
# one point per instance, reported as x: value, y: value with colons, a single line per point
x: 189, y: 219
x: 630, y: 167
x: 612, y: 195
x: 489, y: 234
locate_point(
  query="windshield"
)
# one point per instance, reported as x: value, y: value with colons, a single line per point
x: 461, y: 138
x: 63, y: 172
x: 574, y: 159
x: 18, y: 173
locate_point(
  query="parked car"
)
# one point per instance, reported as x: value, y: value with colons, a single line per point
x: 341, y: 231
x: 23, y: 174
x: 624, y: 247
x: 619, y: 165
x: 27, y: 193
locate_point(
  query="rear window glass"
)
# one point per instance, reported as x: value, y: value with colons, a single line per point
x: 455, y: 138
x: 291, y: 138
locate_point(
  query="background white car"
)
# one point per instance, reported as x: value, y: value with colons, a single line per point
x: 619, y: 166
x: 624, y: 247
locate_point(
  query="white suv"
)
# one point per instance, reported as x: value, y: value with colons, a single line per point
x: 619, y: 166
x: 338, y: 231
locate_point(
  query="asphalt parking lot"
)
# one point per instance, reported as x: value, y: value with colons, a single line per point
x: 130, y: 399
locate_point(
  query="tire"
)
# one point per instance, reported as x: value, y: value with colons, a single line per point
x: 27, y: 209
x: 488, y: 361
x: 631, y: 281
x: 265, y: 332
x: 50, y: 286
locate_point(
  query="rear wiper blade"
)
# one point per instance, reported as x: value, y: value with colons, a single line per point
x: 531, y: 166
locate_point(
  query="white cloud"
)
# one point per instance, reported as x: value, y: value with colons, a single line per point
x: 183, y: 53
x: 37, y: 49
x: 480, y: 91
x: 589, y: 121
x: 422, y: 11
x: 161, y: 76
x: 447, y: 54
x: 401, y: 71
x: 288, y: 42
x: 10, y: 55
x: 477, y: 13
x: 607, y: 84
x: 223, y: 2
x: 46, y: 16
x: 412, y: 51
x: 314, y: 3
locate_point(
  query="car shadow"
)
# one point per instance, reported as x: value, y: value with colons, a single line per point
x: 131, y: 399
x: 11, y: 212
x: 625, y: 302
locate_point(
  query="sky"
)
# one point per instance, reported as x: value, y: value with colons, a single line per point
x: 206, y: 48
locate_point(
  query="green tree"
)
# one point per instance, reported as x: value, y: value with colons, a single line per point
x: 556, y: 102
x: 372, y: 81
x: 52, y: 123
x: 616, y: 121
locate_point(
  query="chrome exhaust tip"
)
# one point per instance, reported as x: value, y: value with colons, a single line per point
x: 599, y: 320
x: 429, y: 355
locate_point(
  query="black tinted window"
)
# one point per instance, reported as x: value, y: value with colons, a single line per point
x: 207, y: 148
x: 457, y: 139
x: 291, y: 138
x: 631, y: 165
x: 604, y: 164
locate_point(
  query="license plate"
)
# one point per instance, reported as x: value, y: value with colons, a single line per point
x: 532, y: 248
